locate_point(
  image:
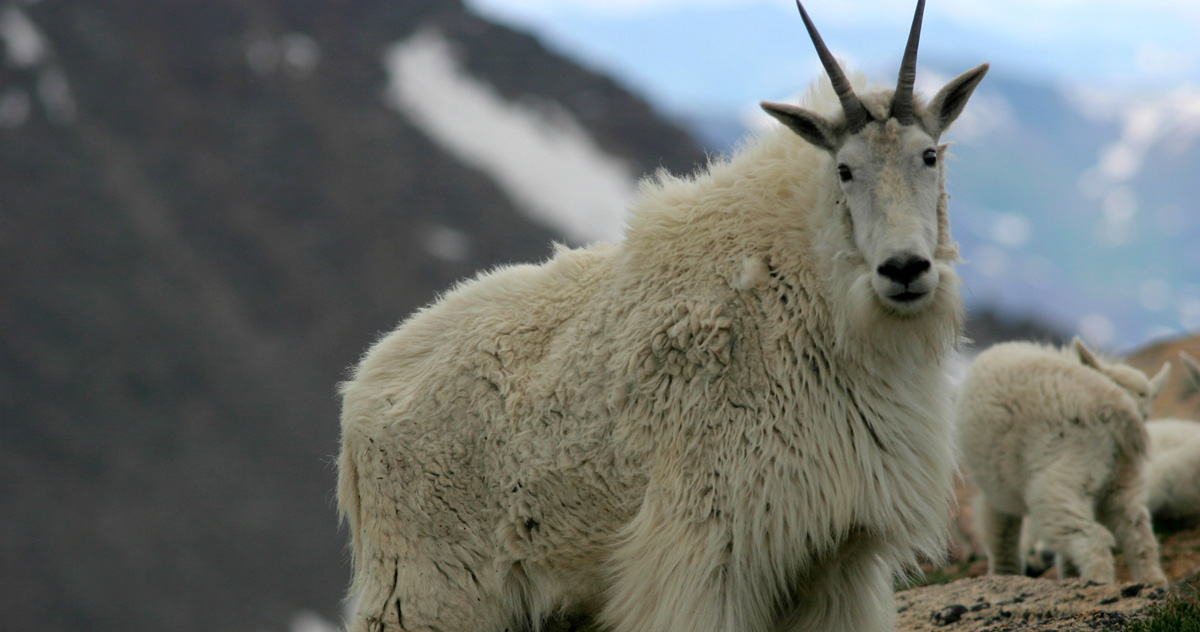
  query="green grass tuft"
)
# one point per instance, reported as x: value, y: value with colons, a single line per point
x: 1176, y: 614
x: 935, y: 577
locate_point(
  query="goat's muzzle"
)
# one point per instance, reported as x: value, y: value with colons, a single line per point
x: 904, y: 280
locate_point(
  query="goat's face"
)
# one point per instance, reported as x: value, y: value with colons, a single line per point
x: 890, y: 177
x: 1143, y: 390
x: 888, y: 165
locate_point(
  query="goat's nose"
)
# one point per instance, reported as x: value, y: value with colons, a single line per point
x: 904, y: 269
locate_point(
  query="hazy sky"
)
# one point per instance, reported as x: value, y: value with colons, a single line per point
x: 673, y: 49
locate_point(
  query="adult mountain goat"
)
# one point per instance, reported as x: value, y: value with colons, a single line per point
x: 735, y: 419
x: 1059, y: 435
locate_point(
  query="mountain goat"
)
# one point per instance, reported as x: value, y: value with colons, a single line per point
x: 735, y: 419
x: 1173, y: 470
x: 1172, y: 486
x: 1059, y: 435
x: 1172, y: 478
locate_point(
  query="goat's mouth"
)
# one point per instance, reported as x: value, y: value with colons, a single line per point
x: 907, y: 303
x: 907, y: 297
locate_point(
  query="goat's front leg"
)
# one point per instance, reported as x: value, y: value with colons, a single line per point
x: 852, y: 593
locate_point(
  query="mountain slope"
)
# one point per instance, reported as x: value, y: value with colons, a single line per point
x: 208, y: 209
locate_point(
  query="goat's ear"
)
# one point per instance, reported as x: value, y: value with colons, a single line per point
x: 1160, y: 380
x: 811, y: 127
x: 1085, y: 354
x: 949, y: 102
x: 1192, y: 366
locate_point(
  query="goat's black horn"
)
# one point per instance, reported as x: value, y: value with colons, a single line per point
x: 902, y: 102
x: 856, y: 114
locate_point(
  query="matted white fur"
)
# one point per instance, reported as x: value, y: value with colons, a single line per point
x: 1058, y: 436
x: 716, y: 425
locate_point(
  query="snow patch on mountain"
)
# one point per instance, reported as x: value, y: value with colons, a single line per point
x: 24, y: 44
x: 535, y: 151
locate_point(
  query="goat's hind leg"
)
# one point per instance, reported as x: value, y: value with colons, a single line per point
x: 1001, y: 535
x: 1067, y: 522
x: 1126, y: 516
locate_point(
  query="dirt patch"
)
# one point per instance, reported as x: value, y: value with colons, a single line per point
x: 1012, y: 603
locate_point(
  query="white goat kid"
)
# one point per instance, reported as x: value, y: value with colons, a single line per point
x: 738, y: 418
x: 1172, y: 478
x: 1059, y: 436
x: 1172, y: 486
x: 1173, y: 470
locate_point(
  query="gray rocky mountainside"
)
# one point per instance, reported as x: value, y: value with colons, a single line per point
x: 195, y: 246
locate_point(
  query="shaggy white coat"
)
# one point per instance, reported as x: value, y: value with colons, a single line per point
x: 1058, y: 435
x: 715, y: 425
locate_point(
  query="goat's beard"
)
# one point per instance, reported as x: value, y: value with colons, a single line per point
x: 866, y: 323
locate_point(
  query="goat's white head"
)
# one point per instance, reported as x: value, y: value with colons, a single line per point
x: 889, y: 169
x: 1143, y: 390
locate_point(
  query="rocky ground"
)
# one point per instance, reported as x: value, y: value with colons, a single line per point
x: 1021, y: 603
x: 969, y: 601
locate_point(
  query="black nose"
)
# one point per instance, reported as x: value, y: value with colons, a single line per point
x: 904, y: 269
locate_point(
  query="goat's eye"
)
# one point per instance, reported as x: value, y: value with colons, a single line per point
x: 930, y: 157
x: 844, y: 173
